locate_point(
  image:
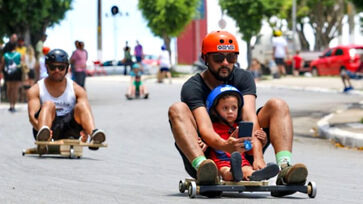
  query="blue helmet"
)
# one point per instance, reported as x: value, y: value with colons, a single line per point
x: 135, y: 66
x: 219, y: 91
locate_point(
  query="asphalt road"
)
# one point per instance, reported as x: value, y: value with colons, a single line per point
x: 141, y: 164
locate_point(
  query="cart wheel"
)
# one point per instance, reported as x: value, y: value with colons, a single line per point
x: 71, y: 153
x: 192, y: 189
x: 182, y: 186
x: 312, y: 189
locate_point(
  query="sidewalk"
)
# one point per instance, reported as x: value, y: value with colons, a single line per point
x: 343, y: 126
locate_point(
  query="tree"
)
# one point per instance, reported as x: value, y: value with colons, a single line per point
x: 168, y: 18
x: 30, y: 19
x: 249, y: 14
x: 324, y: 17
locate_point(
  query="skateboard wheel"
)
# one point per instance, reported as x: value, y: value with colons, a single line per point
x: 312, y: 189
x: 182, y: 186
x: 192, y: 189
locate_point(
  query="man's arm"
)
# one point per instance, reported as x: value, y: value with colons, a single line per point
x: 81, y: 94
x: 249, y: 114
x: 33, y: 105
x: 212, y: 139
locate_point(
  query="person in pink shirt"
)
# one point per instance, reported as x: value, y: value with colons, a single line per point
x: 79, y: 61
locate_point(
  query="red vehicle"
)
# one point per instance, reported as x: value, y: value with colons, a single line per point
x: 336, y: 59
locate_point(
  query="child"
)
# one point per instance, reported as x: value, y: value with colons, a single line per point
x: 224, y: 105
x: 297, y: 63
x: 136, y: 88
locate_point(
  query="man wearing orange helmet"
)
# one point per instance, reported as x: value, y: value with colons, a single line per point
x: 192, y: 127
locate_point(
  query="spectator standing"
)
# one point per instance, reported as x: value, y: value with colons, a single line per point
x: 39, y: 46
x: 20, y: 47
x: 280, y: 51
x: 138, y: 52
x: 79, y: 59
x: 297, y: 63
x: 255, y: 69
x: 40, y: 68
x: 127, y: 59
x: 13, y: 40
x: 11, y: 67
x: 76, y: 44
x: 30, y: 63
x: 164, y: 63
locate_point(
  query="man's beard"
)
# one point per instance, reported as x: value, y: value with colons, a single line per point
x: 56, y: 79
x: 218, y: 76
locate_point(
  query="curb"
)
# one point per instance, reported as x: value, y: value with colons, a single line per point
x: 344, y: 137
x: 314, y: 89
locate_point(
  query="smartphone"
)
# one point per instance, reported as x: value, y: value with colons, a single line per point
x: 245, y: 129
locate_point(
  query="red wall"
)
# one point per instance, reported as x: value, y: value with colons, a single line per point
x: 189, y: 42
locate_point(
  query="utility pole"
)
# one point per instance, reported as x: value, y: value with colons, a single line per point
x: 99, y: 30
x: 293, y: 26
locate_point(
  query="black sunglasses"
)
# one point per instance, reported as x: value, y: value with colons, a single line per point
x: 219, y: 57
x: 61, y: 67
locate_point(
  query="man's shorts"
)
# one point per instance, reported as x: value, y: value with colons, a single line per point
x: 138, y: 59
x: 193, y: 173
x: 164, y: 69
x: 279, y: 61
x: 63, y: 127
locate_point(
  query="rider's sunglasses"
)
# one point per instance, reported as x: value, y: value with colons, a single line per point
x: 219, y: 57
x: 61, y: 67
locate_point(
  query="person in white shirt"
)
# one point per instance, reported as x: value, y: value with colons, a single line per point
x: 164, y: 63
x: 280, y: 51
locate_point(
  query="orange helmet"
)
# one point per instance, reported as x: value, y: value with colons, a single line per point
x: 219, y: 41
x: 46, y: 50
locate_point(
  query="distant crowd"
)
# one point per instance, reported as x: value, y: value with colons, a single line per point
x: 22, y: 65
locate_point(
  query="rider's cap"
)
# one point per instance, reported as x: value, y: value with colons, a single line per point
x: 277, y: 33
x: 219, y: 41
x: 45, y: 50
x: 56, y: 55
x: 219, y: 91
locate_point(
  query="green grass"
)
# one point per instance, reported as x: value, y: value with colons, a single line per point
x: 177, y: 74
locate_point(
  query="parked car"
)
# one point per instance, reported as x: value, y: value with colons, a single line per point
x: 150, y: 63
x: 336, y: 59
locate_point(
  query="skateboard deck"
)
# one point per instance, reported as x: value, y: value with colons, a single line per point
x: 250, y: 186
x: 71, y: 148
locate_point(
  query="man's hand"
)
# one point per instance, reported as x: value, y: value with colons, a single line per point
x: 261, y: 135
x: 202, y: 144
x: 233, y: 143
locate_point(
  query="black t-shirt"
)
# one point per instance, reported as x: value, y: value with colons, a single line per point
x: 195, y: 92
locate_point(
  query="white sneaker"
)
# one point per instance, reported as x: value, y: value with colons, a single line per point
x: 43, y: 134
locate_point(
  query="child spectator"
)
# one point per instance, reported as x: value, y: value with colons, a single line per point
x: 136, y: 88
x: 297, y: 63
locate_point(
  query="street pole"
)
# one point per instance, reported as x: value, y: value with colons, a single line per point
x: 115, y: 37
x: 293, y: 26
x: 99, y: 30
